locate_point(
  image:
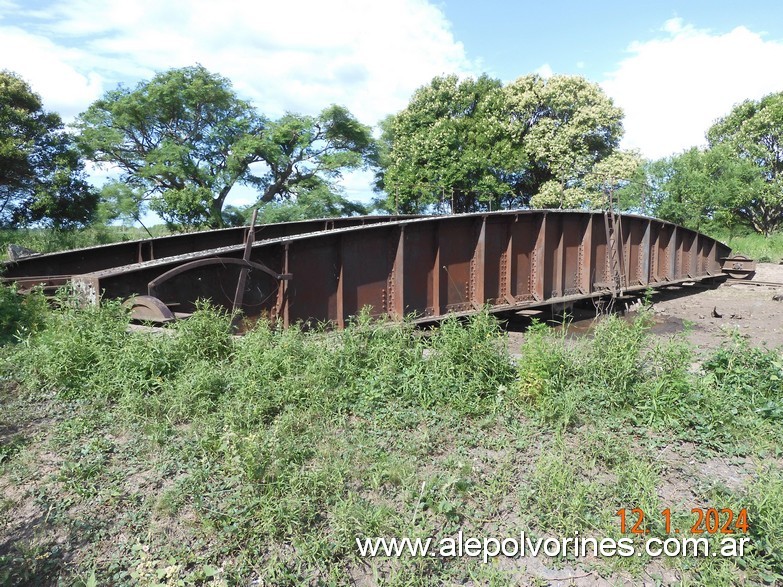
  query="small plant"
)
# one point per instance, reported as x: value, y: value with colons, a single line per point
x: 753, y: 374
x: 20, y: 315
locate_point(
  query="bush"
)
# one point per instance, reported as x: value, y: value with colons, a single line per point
x: 20, y: 315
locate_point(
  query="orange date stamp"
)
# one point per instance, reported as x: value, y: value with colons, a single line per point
x: 704, y: 521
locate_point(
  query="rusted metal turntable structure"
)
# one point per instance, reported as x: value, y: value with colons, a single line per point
x: 328, y: 270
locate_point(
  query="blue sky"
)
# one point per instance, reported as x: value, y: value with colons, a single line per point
x: 587, y: 38
x: 674, y: 68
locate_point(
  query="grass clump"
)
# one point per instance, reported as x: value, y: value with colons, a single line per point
x: 750, y: 377
x: 764, y: 249
x: 76, y: 351
x: 616, y: 372
x: 20, y: 315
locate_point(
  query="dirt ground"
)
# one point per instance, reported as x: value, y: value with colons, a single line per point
x: 706, y: 317
x: 744, y: 306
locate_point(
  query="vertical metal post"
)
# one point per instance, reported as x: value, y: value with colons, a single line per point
x: 436, y: 272
x: 586, y: 269
x: 537, y: 262
x: 478, y: 298
x: 340, y: 294
x: 398, y: 278
x: 239, y: 295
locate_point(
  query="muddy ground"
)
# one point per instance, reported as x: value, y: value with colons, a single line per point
x: 705, y: 316
x: 746, y: 307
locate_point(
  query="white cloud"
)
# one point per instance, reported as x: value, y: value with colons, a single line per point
x: 674, y: 88
x: 50, y: 70
x: 544, y: 71
x: 285, y: 56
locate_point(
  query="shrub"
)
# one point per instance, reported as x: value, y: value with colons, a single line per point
x: 20, y: 315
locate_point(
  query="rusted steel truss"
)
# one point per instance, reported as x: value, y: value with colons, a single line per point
x: 426, y: 266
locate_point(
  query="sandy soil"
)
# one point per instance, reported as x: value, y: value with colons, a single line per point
x: 746, y: 307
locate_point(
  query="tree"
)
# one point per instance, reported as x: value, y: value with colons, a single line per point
x: 697, y: 188
x: 682, y: 189
x: 753, y: 134
x: 306, y: 153
x: 437, y: 149
x: 606, y: 179
x: 559, y: 128
x: 41, y: 172
x: 475, y: 142
x: 184, y: 139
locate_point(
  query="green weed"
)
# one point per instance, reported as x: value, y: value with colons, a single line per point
x: 20, y: 315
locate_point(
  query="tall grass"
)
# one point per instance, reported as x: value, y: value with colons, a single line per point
x: 754, y: 245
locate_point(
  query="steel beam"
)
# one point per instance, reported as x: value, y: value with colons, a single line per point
x: 426, y: 267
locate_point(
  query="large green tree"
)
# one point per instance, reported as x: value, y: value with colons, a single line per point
x: 181, y: 140
x: 184, y: 139
x: 476, y: 143
x: 41, y: 173
x: 436, y: 151
x: 558, y: 129
x: 753, y: 134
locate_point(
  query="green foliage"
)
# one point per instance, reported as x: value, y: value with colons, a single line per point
x: 752, y: 376
x: 752, y: 133
x: 472, y: 144
x: 20, y: 315
x: 42, y: 177
x: 557, y: 480
x: 77, y: 344
x: 86, y: 351
x: 764, y: 500
x: 305, y: 154
x: 438, y: 148
x: 570, y: 381
x: 699, y: 189
x: 184, y: 139
x: 735, y: 181
x: 559, y: 128
x: 754, y: 245
x: 467, y: 367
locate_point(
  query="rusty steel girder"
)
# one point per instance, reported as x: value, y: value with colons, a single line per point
x: 425, y: 266
x: 87, y: 260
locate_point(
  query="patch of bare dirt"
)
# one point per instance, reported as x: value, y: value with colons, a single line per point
x: 747, y: 307
x: 708, y: 317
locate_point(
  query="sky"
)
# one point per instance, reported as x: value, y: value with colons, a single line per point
x: 674, y: 68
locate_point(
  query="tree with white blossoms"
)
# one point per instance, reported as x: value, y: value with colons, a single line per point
x: 476, y: 143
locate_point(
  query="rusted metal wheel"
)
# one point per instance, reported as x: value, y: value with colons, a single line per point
x: 148, y: 309
x: 739, y: 267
